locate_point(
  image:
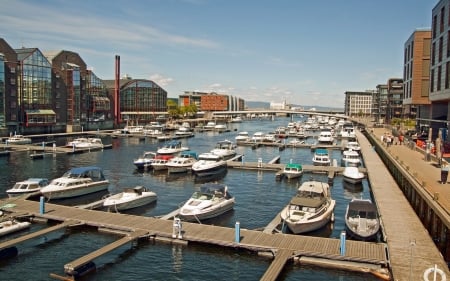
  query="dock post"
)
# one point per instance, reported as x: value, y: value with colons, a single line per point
x: 237, y: 232
x: 343, y: 243
x: 176, y: 232
x: 42, y: 205
x: 259, y: 162
x: 242, y: 160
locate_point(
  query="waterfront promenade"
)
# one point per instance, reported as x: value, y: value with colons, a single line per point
x: 406, y: 237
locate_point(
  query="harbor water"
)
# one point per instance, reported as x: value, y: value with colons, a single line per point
x: 259, y: 198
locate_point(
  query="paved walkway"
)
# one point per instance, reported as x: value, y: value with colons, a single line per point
x: 427, y: 173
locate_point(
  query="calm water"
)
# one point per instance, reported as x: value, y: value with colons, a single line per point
x: 259, y: 197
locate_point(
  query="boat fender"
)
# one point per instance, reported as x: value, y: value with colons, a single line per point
x: 435, y: 270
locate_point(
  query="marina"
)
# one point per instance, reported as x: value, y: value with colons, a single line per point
x: 251, y: 179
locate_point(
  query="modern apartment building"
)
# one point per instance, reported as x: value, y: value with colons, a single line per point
x: 358, y: 103
x: 394, y: 99
x: 416, y: 75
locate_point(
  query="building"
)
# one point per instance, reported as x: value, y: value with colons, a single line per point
x: 141, y: 100
x: 358, y: 103
x: 379, y: 103
x: 394, y: 99
x: 440, y: 66
x: 211, y: 101
x: 416, y: 75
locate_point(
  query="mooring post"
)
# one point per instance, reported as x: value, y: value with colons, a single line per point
x: 237, y: 232
x: 342, y: 243
x: 42, y: 205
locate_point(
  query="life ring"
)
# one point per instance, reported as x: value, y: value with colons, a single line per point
x: 435, y: 271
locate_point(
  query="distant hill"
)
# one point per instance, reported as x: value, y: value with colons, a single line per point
x: 266, y: 105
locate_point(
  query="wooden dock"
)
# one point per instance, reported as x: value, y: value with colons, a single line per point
x: 258, y: 241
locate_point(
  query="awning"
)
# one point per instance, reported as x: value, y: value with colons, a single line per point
x: 40, y: 112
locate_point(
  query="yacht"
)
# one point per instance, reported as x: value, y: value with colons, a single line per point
x: 353, y: 145
x: 172, y: 147
x: 236, y: 119
x: 310, y: 209
x: 209, y: 126
x: 76, y: 182
x: 208, y: 164
x: 145, y: 160
x: 348, y: 131
x: 27, y: 186
x: 321, y: 157
x: 350, y: 158
x: 182, y: 163
x: 352, y: 175
x: 130, y: 198
x: 220, y: 128
x: 212, y: 200
x: 361, y: 220
x: 18, y: 139
x: 325, y: 137
x: 83, y: 143
x: 242, y: 137
x: 258, y: 137
x: 224, y: 149
x: 292, y: 170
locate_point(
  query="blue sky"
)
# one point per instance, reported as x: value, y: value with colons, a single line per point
x: 305, y: 52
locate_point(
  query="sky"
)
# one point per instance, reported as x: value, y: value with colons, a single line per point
x: 300, y: 51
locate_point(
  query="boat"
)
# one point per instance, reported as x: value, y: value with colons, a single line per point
x: 258, y: 137
x: 208, y: 164
x: 182, y: 163
x: 12, y: 225
x: 159, y: 164
x: 352, y: 175
x: 292, y: 170
x: 27, y: 186
x: 209, y: 126
x: 224, y: 149
x: 90, y: 143
x: 348, y: 131
x: 236, y: 119
x: 321, y: 157
x: 130, y: 198
x: 172, y: 147
x: 76, y: 182
x: 18, y: 139
x: 212, y: 200
x: 184, y: 132
x: 350, y: 158
x: 242, y: 137
x: 310, y: 209
x: 145, y: 160
x: 220, y: 128
x: 353, y: 145
x: 325, y: 137
x: 295, y: 142
x: 361, y: 219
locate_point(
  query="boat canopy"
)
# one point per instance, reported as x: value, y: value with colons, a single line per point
x: 189, y: 154
x: 362, y: 205
x: 321, y: 151
x: 291, y: 166
x: 311, y: 202
x: 173, y: 143
x: 95, y: 173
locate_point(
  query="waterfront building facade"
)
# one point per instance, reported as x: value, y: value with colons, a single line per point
x: 358, y: 104
x: 394, y: 99
x: 211, y: 101
x: 141, y: 101
x: 379, y: 103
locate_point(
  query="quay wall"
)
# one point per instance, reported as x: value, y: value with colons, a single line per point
x: 434, y: 217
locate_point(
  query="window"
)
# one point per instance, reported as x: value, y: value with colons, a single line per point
x: 447, y: 72
x: 441, y: 42
x: 433, y: 54
x: 441, y: 25
x: 434, y: 26
x: 439, y: 74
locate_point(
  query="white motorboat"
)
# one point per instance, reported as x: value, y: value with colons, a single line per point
x: 353, y: 145
x: 172, y: 147
x: 159, y: 164
x: 258, y: 137
x: 91, y: 143
x: 12, y: 225
x: 310, y: 209
x: 352, y: 175
x: 321, y: 157
x: 209, y: 126
x: 220, y: 128
x: 242, y: 137
x: 27, y: 186
x: 211, y: 201
x: 236, y: 119
x: 224, y: 149
x: 325, y: 137
x: 208, y: 164
x: 295, y: 142
x: 292, y: 170
x: 348, y: 131
x: 361, y: 219
x: 76, y: 182
x: 182, y: 163
x: 18, y: 139
x: 145, y: 160
x: 130, y: 198
x: 184, y: 132
x: 350, y: 158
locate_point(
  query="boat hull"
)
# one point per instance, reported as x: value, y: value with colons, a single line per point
x: 208, y: 213
x: 130, y: 204
x: 78, y: 191
x: 9, y: 226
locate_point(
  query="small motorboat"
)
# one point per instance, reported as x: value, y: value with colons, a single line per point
x: 352, y: 175
x: 130, y: 198
x: 27, y: 186
x: 321, y: 157
x: 310, y: 209
x: 361, y: 219
x: 325, y: 137
x: 172, y: 147
x: 18, y: 139
x: 224, y: 149
x: 76, y: 182
x: 350, y: 158
x: 12, y: 225
x: 145, y: 160
x: 182, y: 163
x: 211, y: 201
x: 209, y: 164
x: 291, y: 170
x: 86, y: 143
x: 353, y: 145
x: 242, y: 137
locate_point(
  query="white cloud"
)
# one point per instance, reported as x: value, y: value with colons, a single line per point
x: 161, y: 80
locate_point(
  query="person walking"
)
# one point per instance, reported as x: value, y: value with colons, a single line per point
x: 444, y: 172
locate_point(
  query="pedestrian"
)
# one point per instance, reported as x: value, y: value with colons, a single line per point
x: 444, y: 172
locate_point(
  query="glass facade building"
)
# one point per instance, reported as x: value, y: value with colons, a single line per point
x: 2, y: 91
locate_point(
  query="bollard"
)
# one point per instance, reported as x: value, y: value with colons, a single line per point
x: 259, y: 162
x: 237, y: 232
x: 242, y: 160
x: 42, y: 205
x: 342, y: 243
